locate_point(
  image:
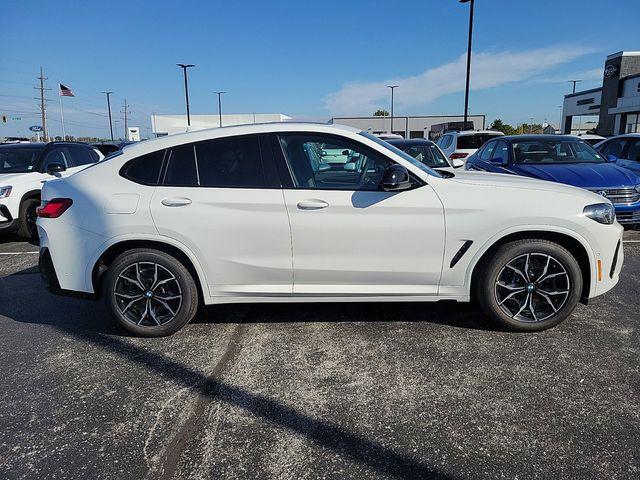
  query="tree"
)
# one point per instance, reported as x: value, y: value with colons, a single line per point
x: 500, y: 126
x: 381, y: 113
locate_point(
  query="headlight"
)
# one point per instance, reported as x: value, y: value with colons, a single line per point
x: 5, y: 191
x: 638, y: 188
x: 601, y: 213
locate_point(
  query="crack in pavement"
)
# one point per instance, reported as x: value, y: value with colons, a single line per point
x: 170, y: 457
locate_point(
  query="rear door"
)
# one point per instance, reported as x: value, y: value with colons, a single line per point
x: 217, y: 198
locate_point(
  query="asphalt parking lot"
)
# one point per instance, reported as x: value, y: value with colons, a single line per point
x: 316, y: 391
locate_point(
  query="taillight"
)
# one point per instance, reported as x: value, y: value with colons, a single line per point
x: 458, y: 155
x: 54, y: 208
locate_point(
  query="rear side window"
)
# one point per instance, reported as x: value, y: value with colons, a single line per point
x: 233, y: 162
x: 501, y: 151
x: 181, y: 167
x: 485, y: 154
x: 145, y: 169
x: 474, y: 141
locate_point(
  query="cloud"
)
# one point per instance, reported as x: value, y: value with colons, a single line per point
x: 590, y: 76
x: 490, y: 69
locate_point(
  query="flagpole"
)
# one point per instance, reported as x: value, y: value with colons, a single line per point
x: 64, y: 134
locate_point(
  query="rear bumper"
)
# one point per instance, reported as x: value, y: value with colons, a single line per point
x: 50, y: 278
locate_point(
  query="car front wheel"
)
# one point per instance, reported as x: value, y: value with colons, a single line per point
x: 530, y: 285
x: 150, y: 293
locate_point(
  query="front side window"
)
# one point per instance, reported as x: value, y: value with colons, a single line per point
x: 232, y: 162
x: 81, y: 155
x: 501, y: 150
x: 555, y: 151
x: 181, y: 167
x: 634, y: 150
x: 18, y: 160
x: 613, y: 147
x: 326, y: 162
x: 445, y: 142
x: 59, y: 155
x: 428, y: 154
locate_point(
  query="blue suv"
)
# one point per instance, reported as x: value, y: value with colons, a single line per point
x: 563, y: 159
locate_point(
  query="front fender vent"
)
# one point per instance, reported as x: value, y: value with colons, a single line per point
x: 463, y: 249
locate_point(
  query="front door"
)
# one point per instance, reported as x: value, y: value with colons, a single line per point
x: 349, y: 238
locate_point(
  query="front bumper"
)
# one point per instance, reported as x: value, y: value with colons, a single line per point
x: 628, y: 214
x: 8, y: 224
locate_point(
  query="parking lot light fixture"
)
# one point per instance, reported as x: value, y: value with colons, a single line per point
x: 466, y: 89
x: 392, y: 87
x: 184, y: 67
x: 220, y: 93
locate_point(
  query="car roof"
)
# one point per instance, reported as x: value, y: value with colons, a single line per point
x: 534, y: 137
x: 477, y: 132
x: 169, y: 141
x: 23, y: 145
x: 407, y: 142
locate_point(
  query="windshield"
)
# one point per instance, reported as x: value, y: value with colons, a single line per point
x: 399, y: 152
x: 428, y: 154
x: 18, y: 160
x: 555, y: 151
x: 474, y: 141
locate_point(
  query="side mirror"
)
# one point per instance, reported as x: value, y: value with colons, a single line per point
x: 612, y: 158
x: 54, y: 168
x: 499, y: 161
x: 457, y: 163
x: 395, y: 178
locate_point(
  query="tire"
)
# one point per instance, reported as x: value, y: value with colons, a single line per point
x: 28, y: 229
x: 168, y: 301
x: 532, y: 299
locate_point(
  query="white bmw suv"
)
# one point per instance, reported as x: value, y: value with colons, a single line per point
x: 292, y: 212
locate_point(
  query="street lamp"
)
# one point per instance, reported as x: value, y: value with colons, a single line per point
x: 392, y: 87
x: 220, y: 93
x: 184, y: 67
x: 109, y: 108
x: 574, y: 84
x: 466, y: 90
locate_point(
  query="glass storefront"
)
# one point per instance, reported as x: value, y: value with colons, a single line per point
x: 632, y: 123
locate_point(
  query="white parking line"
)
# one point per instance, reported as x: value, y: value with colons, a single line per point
x: 631, y: 241
x: 18, y: 253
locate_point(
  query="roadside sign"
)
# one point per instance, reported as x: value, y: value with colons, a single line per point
x: 35, y: 128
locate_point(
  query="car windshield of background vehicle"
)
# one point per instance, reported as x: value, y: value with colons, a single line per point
x: 538, y: 152
x: 18, y: 160
x: 406, y: 156
x: 429, y: 155
x: 467, y: 142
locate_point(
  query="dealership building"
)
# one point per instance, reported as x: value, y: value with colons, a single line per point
x: 616, y: 103
x: 418, y: 126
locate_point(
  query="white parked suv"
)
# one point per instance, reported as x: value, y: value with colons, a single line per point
x: 24, y: 167
x: 268, y: 213
x: 460, y: 145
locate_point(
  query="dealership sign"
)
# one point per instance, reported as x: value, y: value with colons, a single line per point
x: 610, y: 71
x: 585, y: 101
x: 35, y: 128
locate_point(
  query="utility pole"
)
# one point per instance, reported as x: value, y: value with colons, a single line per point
x: 109, y: 108
x: 220, y: 107
x: 466, y: 90
x: 392, y: 87
x: 574, y: 84
x: 43, y: 107
x: 125, y: 113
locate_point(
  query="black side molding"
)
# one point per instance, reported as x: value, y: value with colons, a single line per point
x: 463, y: 249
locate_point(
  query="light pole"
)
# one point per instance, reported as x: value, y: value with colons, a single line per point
x: 220, y: 93
x: 184, y: 67
x: 574, y: 84
x: 109, y: 108
x: 392, y: 87
x: 466, y: 90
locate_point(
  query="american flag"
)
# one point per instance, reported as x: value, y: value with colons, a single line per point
x: 65, y: 91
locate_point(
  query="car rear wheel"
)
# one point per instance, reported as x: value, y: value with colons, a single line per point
x: 28, y: 229
x: 150, y: 293
x: 529, y: 285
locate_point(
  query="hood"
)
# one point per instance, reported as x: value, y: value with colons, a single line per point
x: 15, y: 178
x: 584, y: 175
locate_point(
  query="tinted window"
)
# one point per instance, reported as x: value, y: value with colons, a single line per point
x: 445, y: 142
x: 633, y: 152
x: 428, y: 154
x: 613, y: 147
x: 144, y: 169
x: 474, y: 141
x: 18, y: 160
x: 501, y: 151
x: 181, y: 169
x: 485, y: 154
x: 233, y: 162
x: 330, y: 163
x: 59, y: 155
x: 81, y: 155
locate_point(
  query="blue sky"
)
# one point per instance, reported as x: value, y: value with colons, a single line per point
x: 310, y: 60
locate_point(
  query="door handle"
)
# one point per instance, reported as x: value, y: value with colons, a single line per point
x: 312, y: 204
x: 176, y: 202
